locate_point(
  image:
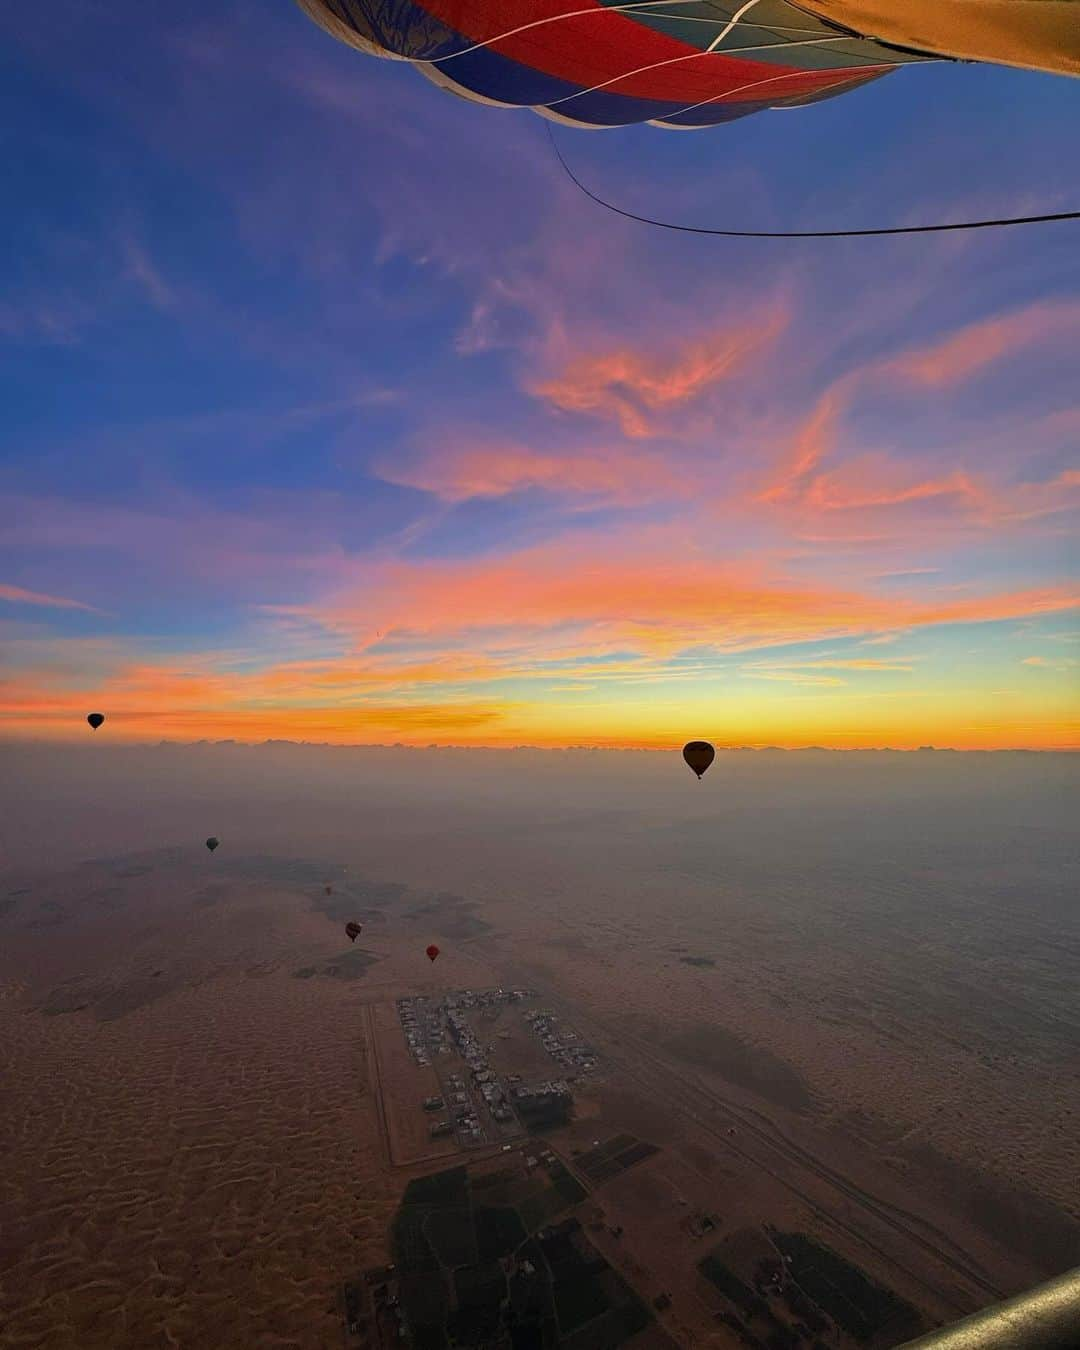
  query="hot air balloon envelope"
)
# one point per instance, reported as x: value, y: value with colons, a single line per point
x: 353, y: 931
x: 96, y: 719
x: 212, y: 843
x: 699, y: 755
x: 607, y: 63
x: 432, y: 952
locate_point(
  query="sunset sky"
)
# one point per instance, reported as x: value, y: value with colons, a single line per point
x: 329, y: 410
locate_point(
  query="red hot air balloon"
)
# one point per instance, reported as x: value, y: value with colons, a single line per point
x: 699, y: 755
x: 96, y: 719
x: 353, y: 931
x: 597, y: 63
x: 432, y: 952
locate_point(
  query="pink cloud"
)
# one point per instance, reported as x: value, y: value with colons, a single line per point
x: 638, y: 591
x: 971, y: 350
x: 615, y: 474
x: 942, y: 364
x: 631, y: 386
x: 811, y: 442
x: 865, y: 487
x: 20, y: 596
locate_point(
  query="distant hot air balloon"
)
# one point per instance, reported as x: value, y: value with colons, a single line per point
x: 699, y: 755
x: 432, y: 952
x: 353, y: 931
x: 594, y: 63
x: 329, y: 890
x: 96, y: 719
x: 212, y: 843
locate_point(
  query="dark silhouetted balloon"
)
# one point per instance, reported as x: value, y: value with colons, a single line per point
x: 353, y: 931
x: 699, y: 755
x: 432, y: 952
x: 212, y: 843
x: 329, y: 890
x: 96, y: 719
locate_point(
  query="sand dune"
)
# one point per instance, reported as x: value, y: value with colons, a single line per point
x: 196, y: 1169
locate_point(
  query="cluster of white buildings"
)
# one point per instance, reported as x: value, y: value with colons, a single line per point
x: 485, y: 998
x: 487, y: 1083
x: 563, y: 1045
x: 423, y: 1028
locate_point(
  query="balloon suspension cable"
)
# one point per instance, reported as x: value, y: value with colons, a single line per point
x: 801, y: 234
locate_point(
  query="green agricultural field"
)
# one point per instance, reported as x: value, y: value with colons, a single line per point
x: 843, y: 1292
x: 452, y: 1235
x: 499, y: 1231
x: 470, y: 1275
x: 447, y: 1188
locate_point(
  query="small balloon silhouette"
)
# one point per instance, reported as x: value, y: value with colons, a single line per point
x: 432, y: 952
x: 212, y: 843
x: 96, y: 719
x: 329, y: 890
x: 353, y: 930
x: 699, y: 755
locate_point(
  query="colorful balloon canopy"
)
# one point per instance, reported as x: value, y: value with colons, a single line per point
x: 595, y: 63
x: 95, y: 719
x: 212, y: 843
x: 432, y: 952
x: 699, y: 755
x: 353, y: 930
x: 689, y: 63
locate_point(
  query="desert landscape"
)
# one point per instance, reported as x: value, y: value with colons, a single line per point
x: 860, y: 963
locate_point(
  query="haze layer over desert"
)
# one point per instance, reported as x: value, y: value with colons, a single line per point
x: 874, y: 952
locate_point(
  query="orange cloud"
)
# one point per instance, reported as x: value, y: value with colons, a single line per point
x: 617, y: 475
x: 443, y: 671
x: 614, y: 597
x: 630, y: 386
x: 1065, y: 663
x: 811, y: 442
x: 164, y: 700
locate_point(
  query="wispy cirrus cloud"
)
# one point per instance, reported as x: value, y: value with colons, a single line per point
x: 19, y: 595
x: 615, y: 474
x: 837, y: 663
x: 973, y: 349
x: 635, y: 386
x: 638, y: 590
x: 1048, y: 663
x: 877, y: 480
x: 140, y: 268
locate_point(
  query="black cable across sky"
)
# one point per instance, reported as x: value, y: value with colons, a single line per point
x: 803, y: 234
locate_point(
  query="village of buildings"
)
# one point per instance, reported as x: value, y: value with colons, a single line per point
x: 483, y: 1100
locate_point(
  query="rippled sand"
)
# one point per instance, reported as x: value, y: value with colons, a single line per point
x: 199, y: 1171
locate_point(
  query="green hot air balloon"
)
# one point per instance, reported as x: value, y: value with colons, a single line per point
x: 699, y: 755
x: 212, y: 843
x: 96, y: 719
